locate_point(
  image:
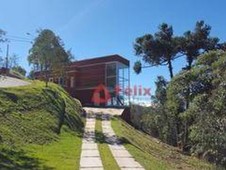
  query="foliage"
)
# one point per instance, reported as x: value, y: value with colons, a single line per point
x: 158, y: 49
x: 12, y: 61
x: 160, y: 93
x: 153, y: 154
x: 189, y: 111
x: 48, y: 54
x: 196, y: 42
x: 31, y: 75
x: 20, y: 70
x: 2, y: 34
x: 152, y: 120
x: 195, y: 97
x: 135, y: 116
x: 2, y: 39
x: 162, y: 48
x: 137, y: 67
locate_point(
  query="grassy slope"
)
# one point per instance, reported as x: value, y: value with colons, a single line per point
x: 107, y: 158
x: 66, y: 150
x: 31, y: 119
x: 153, y: 154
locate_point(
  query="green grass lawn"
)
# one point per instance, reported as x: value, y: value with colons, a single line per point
x: 107, y: 158
x: 153, y: 154
x: 40, y: 128
x: 61, y: 154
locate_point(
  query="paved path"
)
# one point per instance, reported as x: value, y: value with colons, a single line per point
x: 6, y: 81
x: 123, y: 158
x: 111, y: 111
x: 90, y: 156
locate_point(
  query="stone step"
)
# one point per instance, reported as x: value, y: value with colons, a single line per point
x: 123, y: 158
x: 90, y: 156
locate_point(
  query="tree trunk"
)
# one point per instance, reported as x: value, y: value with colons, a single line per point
x: 170, y: 68
x: 46, y: 78
x: 46, y: 83
x: 190, y: 61
x: 187, y: 98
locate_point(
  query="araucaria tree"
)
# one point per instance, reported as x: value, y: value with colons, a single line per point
x: 163, y: 47
x: 48, y: 55
x: 196, y: 42
x: 158, y: 49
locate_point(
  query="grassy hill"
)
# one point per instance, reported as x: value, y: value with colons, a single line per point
x: 40, y: 128
x: 37, y: 122
x: 153, y: 154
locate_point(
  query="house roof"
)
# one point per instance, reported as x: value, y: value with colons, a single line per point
x: 104, y: 59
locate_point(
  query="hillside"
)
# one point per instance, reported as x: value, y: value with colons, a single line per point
x: 32, y: 117
x: 153, y: 154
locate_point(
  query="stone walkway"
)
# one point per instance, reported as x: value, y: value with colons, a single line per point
x: 123, y: 158
x: 111, y: 111
x: 90, y: 156
x: 6, y: 81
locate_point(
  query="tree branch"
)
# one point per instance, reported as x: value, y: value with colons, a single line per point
x: 162, y: 63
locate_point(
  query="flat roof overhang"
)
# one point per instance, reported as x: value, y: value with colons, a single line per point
x: 104, y: 59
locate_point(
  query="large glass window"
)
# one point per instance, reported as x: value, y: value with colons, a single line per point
x: 111, y: 70
x: 117, y: 76
x: 111, y: 82
x: 111, y: 76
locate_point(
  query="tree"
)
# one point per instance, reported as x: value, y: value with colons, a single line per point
x: 12, y: 61
x: 2, y: 39
x: 48, y: 55
x: 160, y: 92
x: 154, y: 120
x: 197, y: 124
x: 20, y: 70
x: 158, y: 49
x: 163, y: 47
x: 2, y: 34
x: 137, y: 67
x: 160, y: 117
x: 208, y: 129
x: 31, y: 75
x: 197, y: 42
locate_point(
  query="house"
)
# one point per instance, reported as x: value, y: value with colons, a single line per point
x: 97, y: 81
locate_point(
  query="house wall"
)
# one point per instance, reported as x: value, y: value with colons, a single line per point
x: 86, y: 76
x: 85, y: 96
x: 91, y: 76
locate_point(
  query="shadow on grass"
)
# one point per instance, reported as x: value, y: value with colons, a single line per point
x: 58, y: 106
x: 11, y: 96
x: 100, y: 138
x: 125, y: 141
x: 18, y: 160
